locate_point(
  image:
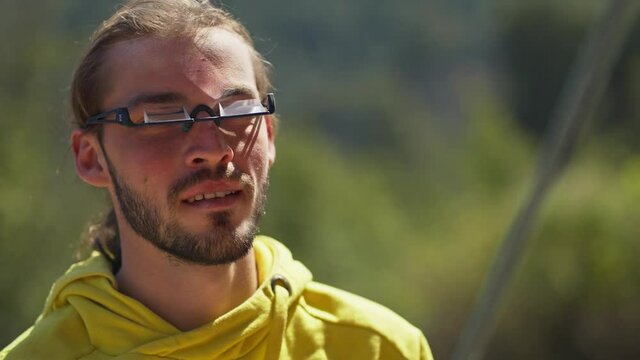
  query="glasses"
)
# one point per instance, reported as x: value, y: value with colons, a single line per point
x: 227, y: 114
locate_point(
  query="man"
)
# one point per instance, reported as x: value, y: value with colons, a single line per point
x: 175, y: 120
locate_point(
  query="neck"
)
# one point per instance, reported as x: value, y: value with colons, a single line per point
x: 186, y: 295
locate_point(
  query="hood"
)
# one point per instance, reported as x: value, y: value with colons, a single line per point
x: 117, y: 324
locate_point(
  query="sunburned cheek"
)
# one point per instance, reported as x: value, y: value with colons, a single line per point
x: 259, y: 161
x: 158, y: 137
x: 153, y: 146
x: 147, y: 166
x: 131, y: 152
x: 254, y: 147
x: 240, y: 147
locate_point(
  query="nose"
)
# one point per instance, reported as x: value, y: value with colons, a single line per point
x: 206, y: 146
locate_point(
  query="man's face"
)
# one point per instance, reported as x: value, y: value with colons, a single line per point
x: 196, y: 195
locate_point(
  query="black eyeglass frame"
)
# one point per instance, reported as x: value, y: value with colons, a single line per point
x: 122, y: 116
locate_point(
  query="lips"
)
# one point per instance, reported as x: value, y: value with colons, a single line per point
x: 211, y: 195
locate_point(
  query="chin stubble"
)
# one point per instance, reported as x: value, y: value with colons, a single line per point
x: 223, y: 244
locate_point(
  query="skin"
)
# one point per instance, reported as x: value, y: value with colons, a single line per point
x: 152, y: 160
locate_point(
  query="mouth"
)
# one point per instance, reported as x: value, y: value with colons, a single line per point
x: 211, y: 195
x: 209, y: 200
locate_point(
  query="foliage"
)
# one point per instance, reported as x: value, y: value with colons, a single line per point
x: 401, y: 159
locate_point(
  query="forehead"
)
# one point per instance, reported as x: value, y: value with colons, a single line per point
x: 200, y: 68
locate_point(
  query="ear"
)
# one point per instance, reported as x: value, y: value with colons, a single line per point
x: 90, y: 165
x: 271, y: 135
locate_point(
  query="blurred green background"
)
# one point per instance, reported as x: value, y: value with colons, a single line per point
x: 409, y: 132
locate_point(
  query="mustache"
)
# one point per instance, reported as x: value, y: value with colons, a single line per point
x: 221, y: 173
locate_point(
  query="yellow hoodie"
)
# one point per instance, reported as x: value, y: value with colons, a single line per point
x: 288, y: 317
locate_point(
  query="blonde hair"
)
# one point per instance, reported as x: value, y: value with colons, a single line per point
x: 137, y: 19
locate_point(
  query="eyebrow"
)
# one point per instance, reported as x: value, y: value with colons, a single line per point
x: 238, y: 91
x: 156, y: 98
x: 174, y: 97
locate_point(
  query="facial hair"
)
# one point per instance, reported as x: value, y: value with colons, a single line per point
x: 224, y: 243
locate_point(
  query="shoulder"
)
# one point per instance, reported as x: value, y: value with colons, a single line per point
x: 350, y: 319
x: 59, y: 335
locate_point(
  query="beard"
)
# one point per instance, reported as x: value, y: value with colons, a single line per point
x: 222, y: 243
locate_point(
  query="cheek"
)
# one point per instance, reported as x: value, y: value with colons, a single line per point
x: 143, y: 163
x: 258, y: 157
x: 259, y: 163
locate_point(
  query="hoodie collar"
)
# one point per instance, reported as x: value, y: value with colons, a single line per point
x: 117, y: 324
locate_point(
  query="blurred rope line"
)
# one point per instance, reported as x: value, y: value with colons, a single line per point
x: 582, y: 91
